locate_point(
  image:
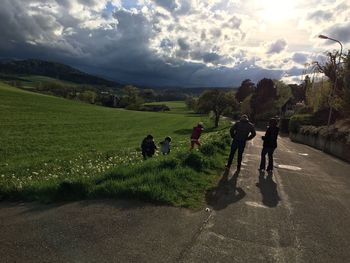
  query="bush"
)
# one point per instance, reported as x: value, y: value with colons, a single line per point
x: 320, y: 117
x: 298, y: 120
x: 284, y: 125
x: 70, y: 190
x: 168, y: 164
x: 305, y: 110
x: 208, y: 149
x: 194, y: 161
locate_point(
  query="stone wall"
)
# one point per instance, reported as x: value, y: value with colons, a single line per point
x: 337, y: 148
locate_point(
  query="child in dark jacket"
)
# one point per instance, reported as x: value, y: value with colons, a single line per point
x: 196, y: 133
x: 148, y: 147
x: 270, y: 144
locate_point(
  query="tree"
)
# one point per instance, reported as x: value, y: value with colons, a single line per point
x: 87, y: 96
x: 245, y: 106
x: 333, y: 70
x: 131, y: 99
x: 283, y: 92
x: 298, y: 92
x: 317, y: 94
x: 148, y: 94
x: 247, y: 88
x: 216, y: 101
x: 346, y: 103
x: 191, y: 103
x: 262, y: 101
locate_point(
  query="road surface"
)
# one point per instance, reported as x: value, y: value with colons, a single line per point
x: 300, y: 214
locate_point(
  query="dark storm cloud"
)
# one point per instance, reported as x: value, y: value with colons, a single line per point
x: 183, y: 44
x: 277, y: 47
x: 120, y: 49
x: 340, y: 32
x: 300, y: 58
x: 211, y: 57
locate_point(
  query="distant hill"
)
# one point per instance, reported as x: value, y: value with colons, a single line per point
x: 53, y: 70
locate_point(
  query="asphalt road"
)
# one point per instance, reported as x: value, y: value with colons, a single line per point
x: 300, y: 214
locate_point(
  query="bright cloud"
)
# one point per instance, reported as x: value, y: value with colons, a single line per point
x: 175, y: 42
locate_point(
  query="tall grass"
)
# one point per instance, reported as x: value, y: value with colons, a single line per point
x: 53, y: 149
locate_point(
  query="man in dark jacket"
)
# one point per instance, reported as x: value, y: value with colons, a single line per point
x: 241, y: 132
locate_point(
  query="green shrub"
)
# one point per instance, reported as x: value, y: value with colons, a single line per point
x: 296, y: 121
x: 72, y: 190
x: 305, y: 110
x: 208, y: 149
x: 284, y: 125
x: 168, y: 164
x: 194, y: 161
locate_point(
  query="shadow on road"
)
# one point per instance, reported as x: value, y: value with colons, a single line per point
x: 225, y: 193
x: 268, y: 189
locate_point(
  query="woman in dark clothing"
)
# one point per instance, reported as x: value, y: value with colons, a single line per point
x: 269, y: 146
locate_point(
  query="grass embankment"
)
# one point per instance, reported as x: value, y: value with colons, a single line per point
x: 55, y: 149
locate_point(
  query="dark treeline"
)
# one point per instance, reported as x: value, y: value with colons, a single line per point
x: 260, y: 101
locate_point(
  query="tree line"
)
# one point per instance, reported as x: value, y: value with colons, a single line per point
x: 259, y: 101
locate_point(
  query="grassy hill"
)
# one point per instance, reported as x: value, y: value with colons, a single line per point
x: 53, y: 70
x: 49, y: 145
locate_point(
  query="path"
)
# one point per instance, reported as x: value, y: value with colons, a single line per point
x: 301, y: 214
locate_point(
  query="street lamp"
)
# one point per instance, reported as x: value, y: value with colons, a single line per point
x: 335, y: 40
x: 335, y: 81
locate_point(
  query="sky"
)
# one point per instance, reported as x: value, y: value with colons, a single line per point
x: 216, y: 43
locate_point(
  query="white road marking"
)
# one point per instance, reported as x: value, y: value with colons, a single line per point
x: 288, y: 167
x: 255, y: 204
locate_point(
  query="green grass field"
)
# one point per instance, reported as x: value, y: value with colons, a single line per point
x: 52, y: 148
x: 30, y: 82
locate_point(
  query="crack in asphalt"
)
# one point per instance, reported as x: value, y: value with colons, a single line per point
x: 195, y: 237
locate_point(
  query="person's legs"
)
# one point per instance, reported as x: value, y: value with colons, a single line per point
x: 194, y: 142
x: 263, y: 158
x: 232, y: 153
x: 192, y: 145
x: 241, y: 146
x: 270, y: 154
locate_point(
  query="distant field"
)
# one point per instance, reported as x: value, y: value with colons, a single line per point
x: 49, y: 139
x: 178, y: 107
x: 32, y: 81
x: 40, y: 128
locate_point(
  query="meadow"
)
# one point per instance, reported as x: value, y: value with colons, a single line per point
x: 56, y: 149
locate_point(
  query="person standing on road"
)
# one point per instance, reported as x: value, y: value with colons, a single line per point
x: 269, y: 145
x: 196, y: 133
x: 241, y: 132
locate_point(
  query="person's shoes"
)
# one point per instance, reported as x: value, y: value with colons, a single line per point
x: 227, y: 167
x: 238, y: 168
